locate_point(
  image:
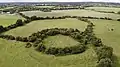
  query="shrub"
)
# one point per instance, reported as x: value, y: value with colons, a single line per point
x: 32, y: 39
x: 106, y: 62
x: 18, y: 38
x: 28, y: 45
x: 104, y: 52
x: 19, y: 22
x: 2, y: 29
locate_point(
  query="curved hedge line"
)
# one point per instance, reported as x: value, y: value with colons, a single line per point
x: 19, y: 22
x: 74, y: 33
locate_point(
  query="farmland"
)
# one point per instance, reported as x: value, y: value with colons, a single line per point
x: 6, y: 19
x: 71, y: 13
x: 44, y: 24
x: 105, y: 9
x: 41, y: 40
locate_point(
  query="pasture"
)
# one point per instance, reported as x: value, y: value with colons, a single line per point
x: 109, y: 38
x: 105, y: 9
x: 75, y: 12
x: 45, y: 6
x: 44, y: 24
x: 7, y: 19
x: 14, y: 53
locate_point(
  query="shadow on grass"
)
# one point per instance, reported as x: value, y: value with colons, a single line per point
x: 116, y: 61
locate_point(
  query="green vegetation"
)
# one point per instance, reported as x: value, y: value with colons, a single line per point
x: 45, y: 6
x: 109, y: 38
x: 105, y: 9
x: 15, y: 54
x: 59, y: 41
x: 44, y: 33
x: 44, y: 24
x: 6, y: 8
x: 75, y: 12
x: 7, y: 20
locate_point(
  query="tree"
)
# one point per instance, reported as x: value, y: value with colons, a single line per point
x: 28, y: 45
x: 32, y: 38
x: 19, y: 22
x: 118, y: 12
x: 105, y: 63
x: 18, y: 38
x: 1, y: 29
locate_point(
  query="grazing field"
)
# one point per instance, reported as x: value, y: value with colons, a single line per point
x: 45, y: 6
x: 104, y: 9
x: 109, y: 38
x: 14, y: 54
x: 7, y: 19
x: 60, y: 41
x: 71, y: 13
x: 44, y: 24
x: 6, y: 8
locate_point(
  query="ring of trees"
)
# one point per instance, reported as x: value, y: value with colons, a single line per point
x: 73, y: 33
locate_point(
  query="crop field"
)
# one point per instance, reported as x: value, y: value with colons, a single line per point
x: 71, y: 13
x: 105, y: 9
x: 44, y: 24
x: 6, y: 19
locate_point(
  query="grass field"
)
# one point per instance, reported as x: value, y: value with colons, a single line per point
x: 105, y: 9
x: 6, y: 8
x: 64, y: 41
x: 71, y: 13
x: 44, y: 24
x: 14, y: 54
x: 45, y: 6
x: 109, y: 38
x: 7, y: 19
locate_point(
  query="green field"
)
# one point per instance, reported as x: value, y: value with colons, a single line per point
x: 6, y: 8
x: 45, y: 6
x: 104, y: 9
x: 7, y: 19
x: 71, y: 13
x: 14, y: 53
x: 64, y: 41
x: 44, y: 24
x: 109, y: 38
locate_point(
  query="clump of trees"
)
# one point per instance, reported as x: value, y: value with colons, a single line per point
x: 41, y: 35
x: 65, y: 51
x: 2, y: 29
x: 104, y: 54
x: 118, y: 12
x: 26, y: 17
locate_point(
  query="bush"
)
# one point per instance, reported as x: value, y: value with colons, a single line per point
x: 41, y: 48
x: 2, y: 29
x: 18, y: 38
x: 32, y: 39
x: 28, y: 45
x: 104, y: 52
x: 106, y: 62
x: 19, y: 22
